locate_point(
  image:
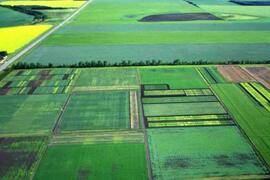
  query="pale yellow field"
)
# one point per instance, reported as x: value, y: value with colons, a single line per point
x: 64, y: 4
x: 13, y: 38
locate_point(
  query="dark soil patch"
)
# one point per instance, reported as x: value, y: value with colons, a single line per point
x: 83, y: 174
x: 224, y: 160
x: 34, y: 85
x: 4, y: 91
x: 251, y: 3
x: 65, y: 77
x: 15, y: 159
x: 44, y: 72
x: 177, y: 163
x: 179, y: 17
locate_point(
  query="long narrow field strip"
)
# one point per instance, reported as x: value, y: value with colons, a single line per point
x: 94, y: 161
x: 14, y: 38
x: 53, y: 3
x: 234, y: 73
x: 134, y: 114
x: 189, y: 118
x: 189, y: 123
x: 199, y: 152
x: 29, y: 114
x: 262, y: 74
x: 99, y: 137
x: 44, y: 81
x: 97, y: 110
x: 256, y: 95
x: 178, y: 99
x: 211, y: 75
x: 262, y: 90
x: 19, y: 156
x: 103, y: 88
x: 253, y: 119
x: 183, y: 109
x: 178, y: 92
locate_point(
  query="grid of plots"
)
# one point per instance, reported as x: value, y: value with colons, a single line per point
x: 43, y: 81
x: 182, y: 107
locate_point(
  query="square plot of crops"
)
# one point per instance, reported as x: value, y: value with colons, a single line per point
x: 19, y: 156
x: 94, y: 161
x: 197, y: 152
x: 29, y: 113
x: 97, y: 110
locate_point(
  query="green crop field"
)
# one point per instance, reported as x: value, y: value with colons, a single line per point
x: 176, y: 78
x: 253, y: 118
x: 185, y: 153
x: 183, y: 109
x: 97, y: 110
x: 14, y: 18
x: 29, y: 114
x: 107, y: 77
x: 19, y: 156
x: 121, y: 35
x: 98, y: 161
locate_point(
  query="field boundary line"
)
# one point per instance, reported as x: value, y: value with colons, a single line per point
x: 59, y: 118
x: 41, y: 38
x: 146, y: 144
x: 257, y: 78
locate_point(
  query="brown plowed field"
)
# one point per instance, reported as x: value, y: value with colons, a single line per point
x: 235, y: 73
x: 262, y: 74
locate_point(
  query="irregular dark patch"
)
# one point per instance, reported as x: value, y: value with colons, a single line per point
x: 251, y: 3
x: 4, y: 91
x: 7, y: 84
x: 33, y: 86
x: 45, y: 72
x: 179, y: 17
x: 224, y: 160
x: 45, y: 77
x: 83, y: 174
x: 65, y: 77
x: 176, y: 163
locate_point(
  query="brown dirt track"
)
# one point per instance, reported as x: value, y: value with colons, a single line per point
x: 261, y: 74
x: 235, y: 73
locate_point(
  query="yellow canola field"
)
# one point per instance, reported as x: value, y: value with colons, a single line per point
x: 63, y: 4
x: 13, y: 38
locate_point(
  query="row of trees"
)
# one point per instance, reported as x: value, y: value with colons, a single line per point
x: 23, y: 65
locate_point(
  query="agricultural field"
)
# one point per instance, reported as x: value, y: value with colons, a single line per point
x: 197, y: 152
x: 165, y: 31
x: 53, y: 4
x: 19, y: 156
x: 14, y: 38
x: 169, y: 122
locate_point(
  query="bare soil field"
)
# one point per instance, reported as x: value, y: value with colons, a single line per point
x: 179, y: 17
x: 262, y: 74
x: 235, y: 73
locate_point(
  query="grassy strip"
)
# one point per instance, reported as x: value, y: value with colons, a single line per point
x: 153, y: 100
x: 179, y: 92
x: 191, y: 117
x: 190, y: 123
x: 262, y: 90
x: 256, y: 95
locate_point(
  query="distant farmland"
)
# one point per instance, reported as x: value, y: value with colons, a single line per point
x: 210, y: 31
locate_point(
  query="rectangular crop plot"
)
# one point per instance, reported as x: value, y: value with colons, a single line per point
x: 202, y: 152
x: 178, y: 92
x: 176, y: 78
x: 262, y: 74
x: 94, y: 161
x: 183, y: 109
x: 19, y: 156
x: 29, y: 114
x: 38, y: 81
x: 235, y: 73
x: 107, y: 77
x: 97, y: 110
